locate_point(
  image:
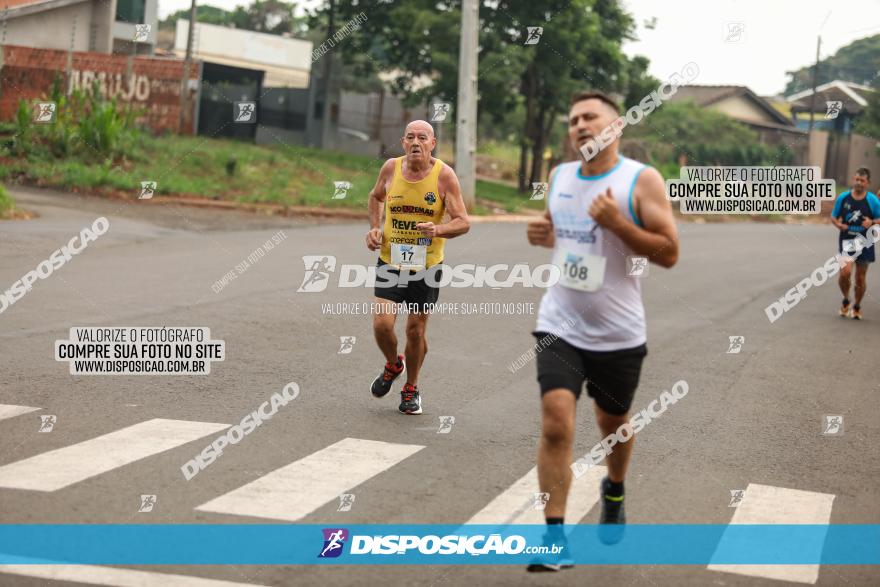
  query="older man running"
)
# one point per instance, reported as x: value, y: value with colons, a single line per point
x: 415, y: 191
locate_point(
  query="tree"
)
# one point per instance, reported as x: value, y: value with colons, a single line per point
x: 857, y: 62
x: 699, y: 136
x: 580, y: 47
x: 266, y: 16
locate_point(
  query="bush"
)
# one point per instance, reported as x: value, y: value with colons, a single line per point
x: 87, y: 126
x: 7, y: 204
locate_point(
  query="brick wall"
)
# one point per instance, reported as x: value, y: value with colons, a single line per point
x: 153, y: 83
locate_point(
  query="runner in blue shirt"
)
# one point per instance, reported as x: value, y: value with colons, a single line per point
x: 854, y: 213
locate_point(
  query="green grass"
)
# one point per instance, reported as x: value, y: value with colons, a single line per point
x: 231, y: 170
x: 7, y: 204
x: 507, y: 197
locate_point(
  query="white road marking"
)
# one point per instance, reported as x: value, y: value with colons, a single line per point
x: 295, y: 490
x: 56, y: 469
x: 765, y: 504
x: 95, y: 575
x: 10, y: 411
x: 508, y: 507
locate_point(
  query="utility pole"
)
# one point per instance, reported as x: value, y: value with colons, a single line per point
x: 328, y: 134
x: 466, y: 110
x: 184, y: 83
x: 815, y: 80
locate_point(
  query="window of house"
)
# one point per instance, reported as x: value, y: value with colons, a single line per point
x: 130, y: 11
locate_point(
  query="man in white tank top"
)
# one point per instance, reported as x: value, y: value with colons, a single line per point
x: 601, y: 213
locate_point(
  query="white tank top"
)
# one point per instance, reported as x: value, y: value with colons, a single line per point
x: 610, y: 317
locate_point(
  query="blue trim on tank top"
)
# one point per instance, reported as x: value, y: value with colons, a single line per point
x: 601, y: 175
x: 632, y: 188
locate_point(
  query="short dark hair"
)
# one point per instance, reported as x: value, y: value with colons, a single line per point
x: 864, y: 171
x: 594, y: 95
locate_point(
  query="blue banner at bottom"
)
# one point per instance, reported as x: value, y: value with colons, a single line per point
x: 279, y: 544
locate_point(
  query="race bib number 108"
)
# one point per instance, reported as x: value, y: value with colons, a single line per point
x: 581, y: 271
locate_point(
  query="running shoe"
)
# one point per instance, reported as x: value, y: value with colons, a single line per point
x: 856, y: 312
x: 550, y: 562
x: 844, y: 308
x: 410, y: 401
x: 382, y: 384
x: 613, y: 518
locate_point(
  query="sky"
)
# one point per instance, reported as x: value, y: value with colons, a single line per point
x: 770, y: 36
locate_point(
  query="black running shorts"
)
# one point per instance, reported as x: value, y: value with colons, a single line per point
x: 417, y: 294
x: 611, y: 376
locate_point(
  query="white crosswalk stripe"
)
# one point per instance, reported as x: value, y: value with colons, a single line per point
x: 295, y: 490
x: 765, y: 504
x: 11, y: 411
x: 95, y: 575
x: 62, y: 467
x: 508, y: 507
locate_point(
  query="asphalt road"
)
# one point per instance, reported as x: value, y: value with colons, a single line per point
x: 753, y: 417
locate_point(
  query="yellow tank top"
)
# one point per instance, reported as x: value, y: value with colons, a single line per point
x: 409, y: 203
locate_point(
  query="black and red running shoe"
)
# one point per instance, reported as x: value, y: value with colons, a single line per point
x: 382, y: 384
x: 410, y: 400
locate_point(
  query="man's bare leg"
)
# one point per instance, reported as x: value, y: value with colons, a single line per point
x: 558, y: 408
x: 383, y: 330
x: 416, y: 346
x: 618, y: 460
x: 861, y: 281
x: 843, y: 280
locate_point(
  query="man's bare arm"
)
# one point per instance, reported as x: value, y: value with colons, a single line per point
x: 378, y: 195
x: 657, y: 239
x: 458, y: 223
x: 540, y: 231
x: 376, y: 205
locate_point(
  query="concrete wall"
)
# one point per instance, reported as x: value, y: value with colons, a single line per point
x: 863, y: 153
x: 88, y: 22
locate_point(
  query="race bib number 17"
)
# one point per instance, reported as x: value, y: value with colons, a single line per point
x: 581, y: 271
x: 408, y: 256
